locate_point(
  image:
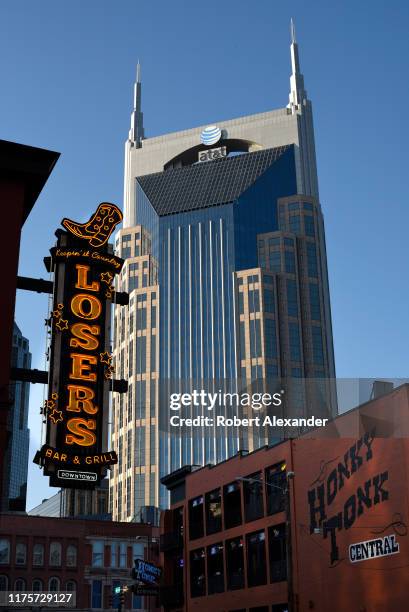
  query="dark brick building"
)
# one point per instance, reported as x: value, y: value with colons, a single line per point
x: 230, y: 542
x: 86, y: 556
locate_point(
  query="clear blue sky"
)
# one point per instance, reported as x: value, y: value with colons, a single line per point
x: 67, y: 70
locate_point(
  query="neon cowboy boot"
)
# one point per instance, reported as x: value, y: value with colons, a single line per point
x: 100, y: 226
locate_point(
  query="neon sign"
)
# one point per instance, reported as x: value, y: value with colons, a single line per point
x: 81, y: 366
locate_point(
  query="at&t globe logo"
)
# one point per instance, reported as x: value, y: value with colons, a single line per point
x: 210, y: 135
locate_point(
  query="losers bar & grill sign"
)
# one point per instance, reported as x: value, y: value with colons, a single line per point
x: 80, y: 363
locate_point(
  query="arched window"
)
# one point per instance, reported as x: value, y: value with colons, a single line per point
x: 4, y: 583
x: 20, y: 585
x: 38, y: 555
x: 71, y: 586
x: 37, y: 585
x: 21, y: 553
x: 54, y: 584
x: 55, y: 553
x: 71, y: 556
x: 4, y: 551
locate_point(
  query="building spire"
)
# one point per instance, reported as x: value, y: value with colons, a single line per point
x: 297, y: 91
x: 136, y: 133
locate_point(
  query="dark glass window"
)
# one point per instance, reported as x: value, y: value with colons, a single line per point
x: 235, y: 564
x: 309, y: 225
x: 277, y: 552
x: 140, y: 399
x: 141, y: 318
x: 96, y: 601
x: 133, y: 283
x: 196, y: 522
x: 294, y: 340
x: 312, y: 260
x: 254, y: 300
x: 275, y: 261
x: 255, y: 338
x: 294, y: 206
x: 289, y: 262
x: 232, y: 505
x: 292, y: 298
x: 308, y: 206
x: 197, y: 573
x: 271, y: 338
x: 269, y: 305
x: 213, y: 511
x: 289, y: 241
x: 140, y: 354
x: 274, y: 241
x: 317, y: 349
x: 271, y: 370
x: 315, y: 302
x: 256, y: 559
x: 295, y: 224
x: 242, y: 341
x: 215, y: 570
x: 275, y: 488
x: 241, y: 302
x: 253, y: 497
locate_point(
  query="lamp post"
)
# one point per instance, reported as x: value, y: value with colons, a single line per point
x: 288, y: 539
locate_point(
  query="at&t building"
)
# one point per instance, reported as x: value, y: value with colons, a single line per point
x: 225, y: 263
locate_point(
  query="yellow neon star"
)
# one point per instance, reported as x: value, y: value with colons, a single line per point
x: 106, y: 277
x: 105, y: 358
x: 56, y: 314
x: 55, y: 416
x: 62, y: 324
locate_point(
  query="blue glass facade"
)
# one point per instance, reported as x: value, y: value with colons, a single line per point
x: 197, y: 251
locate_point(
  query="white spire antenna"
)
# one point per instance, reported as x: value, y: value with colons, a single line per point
x: 297, y: 91
x: 136, y: 133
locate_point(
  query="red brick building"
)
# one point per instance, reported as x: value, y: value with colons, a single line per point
x: 86, y: 556
x: 224, y: 544
x: 23, y: 173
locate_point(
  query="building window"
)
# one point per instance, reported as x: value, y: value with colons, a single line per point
x: 97, y: 553
x: 55, y: 554
x: 289, y: 262
x: 122, y: 555
x: 276, y: 483
x: 96, y: 595
x: 235, y: 564
x: 4, y: 551
x: 309, y: 225
x: 292, y: 298
x: 294, y: 341
x: 254, y: 300
x: 315, y: 302
x: 71, y: 556
x: 37, y: 585
x: 253, y: 497
x: 197, y: 573
x: 255, y: 338
x: 278, y: 555
x: 241, y: 302
x: 312, y: 260
x: 256, y: 559
x: 308, y: 206
x: 270, y: 338
x: 196, y: 524
x: 21, y: 553
x: 269, y: 305
x: 213, y: 511
x: 232, y: 505
x: 20, y: 584
x: 215, y: 571
x: 4, y: 583
x: 71, y: 586
x: 295, y: 224
x: 54, y: 584
x: 38, y: 555
x: 317, y: 350
x: 275, y: 261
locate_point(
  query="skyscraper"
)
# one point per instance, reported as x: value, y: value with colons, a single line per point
x: 18, y: 434
x: 226, y: 267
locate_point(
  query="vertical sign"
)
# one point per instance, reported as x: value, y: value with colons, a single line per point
x: 80, y: 362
